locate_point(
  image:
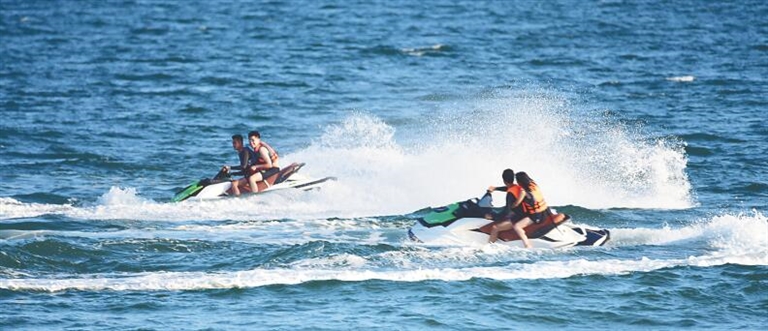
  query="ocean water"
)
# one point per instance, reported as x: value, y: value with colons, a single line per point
x: 644, y: 118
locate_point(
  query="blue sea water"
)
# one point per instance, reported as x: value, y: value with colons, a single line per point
x: 645, y: 118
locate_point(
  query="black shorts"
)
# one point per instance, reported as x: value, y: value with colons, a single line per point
x: 540, y: 217
x: 266, y: 173
x: 511, y: 217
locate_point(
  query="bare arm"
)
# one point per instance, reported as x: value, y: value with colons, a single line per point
x: 497, y: 188
x: 264, y: 156
x: 517, y: 201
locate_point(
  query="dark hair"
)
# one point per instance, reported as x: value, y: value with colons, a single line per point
x: 238, y: 138
x: 508, y: 176
x: 523, y: 179
x: 254, y: 133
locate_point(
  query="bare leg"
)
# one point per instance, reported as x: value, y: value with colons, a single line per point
x: 255, y: 178
x: 499, y: 227
x: 520, y: 230
x: 236, y: 186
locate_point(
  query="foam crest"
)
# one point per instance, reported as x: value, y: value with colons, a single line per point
x: 682, y: 79
x: 118, y: 196
x: 126, y: 203
x: 348, y: 269
x: 11, y: 208
x: 727, y: 234
x: 421, y: 51
x: 739, y: 234
x: 291, y: 211
x: 121, y: 203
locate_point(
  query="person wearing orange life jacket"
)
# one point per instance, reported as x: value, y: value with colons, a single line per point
x: 512, y: 211
x: 534, y: 207
x: 272, y: 152
x: 266, y: 163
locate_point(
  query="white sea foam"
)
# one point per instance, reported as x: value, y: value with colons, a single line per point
x: 729, y: 239
x: 421, y: 51
x: 348, y: 268
x: 361, y: 231
x: 127, y: 204
x: 578, y: 159
x: 11, y: 208
x: 682, y: 79
x: 118, y: 196
x: 729, y: 234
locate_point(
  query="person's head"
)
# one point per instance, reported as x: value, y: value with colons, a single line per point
x: 237, y: 142
x: 254, y: 138
x: 523, y: 179
x: 508, y: 176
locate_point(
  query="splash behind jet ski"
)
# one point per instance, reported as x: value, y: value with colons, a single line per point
x: 220, y: 185
x: 464, y: 223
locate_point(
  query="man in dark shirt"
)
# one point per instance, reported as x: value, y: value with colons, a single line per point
x: 512, y: 210
x: 247, y: 158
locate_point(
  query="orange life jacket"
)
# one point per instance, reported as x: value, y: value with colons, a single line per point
x: 515, y: 190
x: 272, y: 154
x: 534, y: 202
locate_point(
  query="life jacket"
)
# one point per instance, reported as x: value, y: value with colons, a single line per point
x: 534, y: 201
x: 515, y: 190
x: 272, y: 154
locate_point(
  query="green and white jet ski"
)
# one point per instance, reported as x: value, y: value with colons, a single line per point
x: 220, y: 185
x: 464, y: 223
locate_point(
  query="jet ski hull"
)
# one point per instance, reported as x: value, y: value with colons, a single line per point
x: 463, y: 223
x: 285, y: 179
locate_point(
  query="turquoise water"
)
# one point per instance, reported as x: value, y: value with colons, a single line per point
x: 643, y: 118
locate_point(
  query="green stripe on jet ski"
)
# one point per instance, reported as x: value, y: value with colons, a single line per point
x: 187, y: 192
x: 441, y: 215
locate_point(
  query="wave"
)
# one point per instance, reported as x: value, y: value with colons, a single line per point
x: 11, y: 208
x: 265, y: 219
x: 733, y: 234
x: 433, y: 50
x: 126, y: 204
x: 681, y: 79
x: 274, y: 232
x: 422, y: 51
x: 354, y: 270
x: 739, y: 239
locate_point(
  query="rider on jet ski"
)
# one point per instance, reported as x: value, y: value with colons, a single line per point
x: 512, y: 211
x: 247, y: 158
x: 255, y: 165
x: 265, y: 164
x: 535, y: 208
x: 525, y: 198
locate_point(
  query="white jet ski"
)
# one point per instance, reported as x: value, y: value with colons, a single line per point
x: 220, y: 185
x: 464, y: 223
